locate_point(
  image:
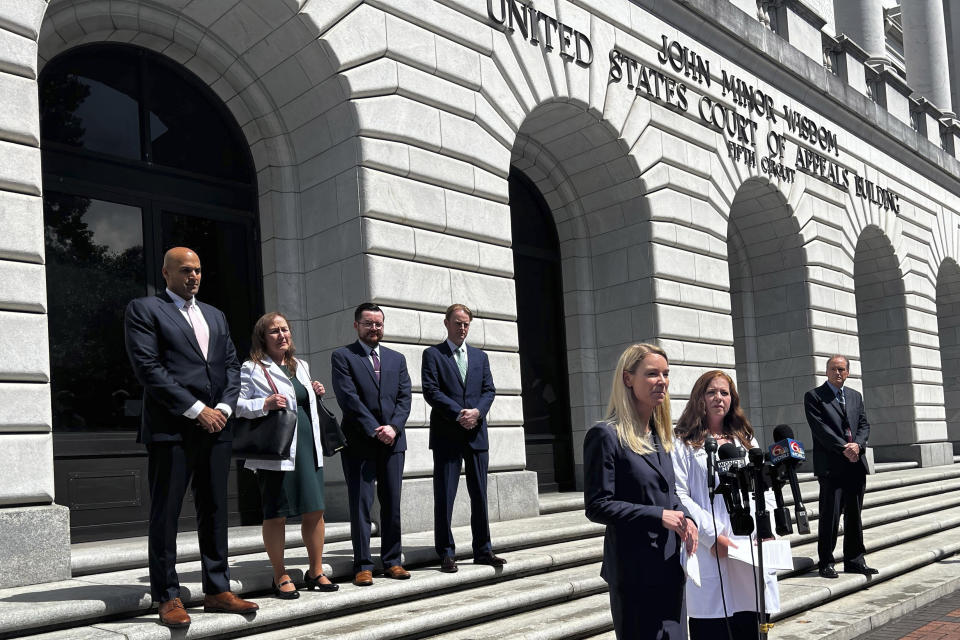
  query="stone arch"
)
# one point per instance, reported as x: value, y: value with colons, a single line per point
x: 266, y: 63
x: 884, y: 343
x: 769, y: 304
x: 584, y: 171
x: 948, y: 324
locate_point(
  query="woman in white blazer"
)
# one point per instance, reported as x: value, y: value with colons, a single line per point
x: 714, y: 409
x: 294, y: 486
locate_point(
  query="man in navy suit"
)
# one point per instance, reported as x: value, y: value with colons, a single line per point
x: 458, y: 386
x: 373, y: 390
x: 840, y: 430
x: 181, y: 353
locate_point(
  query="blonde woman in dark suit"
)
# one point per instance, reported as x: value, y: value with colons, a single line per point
x: 629, y: 487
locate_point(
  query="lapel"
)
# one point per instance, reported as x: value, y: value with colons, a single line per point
x: 473, y: 363
x: 360, y: 350
x: 279, y: 378
x: 652, y: 458
x: 834, y: 403
x: 173, y: 312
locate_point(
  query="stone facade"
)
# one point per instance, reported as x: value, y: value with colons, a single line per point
x: 756, y: 230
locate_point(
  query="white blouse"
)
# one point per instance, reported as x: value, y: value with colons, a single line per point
x: 254, y: 390
x: 690, y: 468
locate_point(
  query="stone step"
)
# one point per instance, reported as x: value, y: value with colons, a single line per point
x: 533, y: 576
x: 572, y: 619
x: 124, y: 593
x: 87, y: 558
x: 801, y: 593
x: 862, y: 611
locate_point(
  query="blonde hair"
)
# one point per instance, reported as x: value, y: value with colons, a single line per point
x: 622, y: 414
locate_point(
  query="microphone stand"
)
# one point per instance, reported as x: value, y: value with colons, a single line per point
x: 762, y: 518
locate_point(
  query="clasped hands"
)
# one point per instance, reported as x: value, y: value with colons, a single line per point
x: 851, y: 451
x: 677, y: 522
x: 212, y: 420
x: 469, y: 418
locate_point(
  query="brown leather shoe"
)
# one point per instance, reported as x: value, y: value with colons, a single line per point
x: 396, y: 572
x: 363, y: 578
x: 228, y: 602
x: 173, y: 615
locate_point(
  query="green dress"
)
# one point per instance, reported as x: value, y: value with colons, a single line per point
x: 291, y: 493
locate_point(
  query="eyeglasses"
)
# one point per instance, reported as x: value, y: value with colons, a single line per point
x: 371, y: 325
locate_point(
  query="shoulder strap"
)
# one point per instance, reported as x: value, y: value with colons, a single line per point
x: 266, y: 373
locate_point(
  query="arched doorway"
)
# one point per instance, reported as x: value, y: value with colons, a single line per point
x: 541, y: 335
x: 138, y: 156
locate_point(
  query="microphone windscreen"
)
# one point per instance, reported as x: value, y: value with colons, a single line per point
x: 782, y: 432
x: 756, y: 456
x: 729, y: 451
x: 709, y: 444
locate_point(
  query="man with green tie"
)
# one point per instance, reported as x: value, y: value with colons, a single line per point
x: 458, y: 386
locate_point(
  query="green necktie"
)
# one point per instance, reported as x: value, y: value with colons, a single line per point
x: 461, y: 359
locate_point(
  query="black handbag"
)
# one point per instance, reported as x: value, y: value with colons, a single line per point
x: 331, y: 435
x: 268, y: 437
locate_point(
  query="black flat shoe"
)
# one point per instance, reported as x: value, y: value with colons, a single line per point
x: 314, y: 583
x: 828, y: 572
x: 284, y: 595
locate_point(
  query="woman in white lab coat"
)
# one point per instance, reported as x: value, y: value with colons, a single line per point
x: 714, y: 409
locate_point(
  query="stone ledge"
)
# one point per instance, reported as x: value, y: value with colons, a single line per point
x: 36, y: 545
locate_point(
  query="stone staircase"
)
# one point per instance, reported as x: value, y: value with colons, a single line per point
x: 549, y: 589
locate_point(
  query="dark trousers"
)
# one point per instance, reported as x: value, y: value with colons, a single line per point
x: 744, y: 625
x: 385, y: 470
x: 171, y: 465
x: 841, y: 494
x: 446, y: 479
x: 649, y: 613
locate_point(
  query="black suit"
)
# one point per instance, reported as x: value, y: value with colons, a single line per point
x: 842, y: 482
x: 641, y: 558
x: 447, y: 394
x: 168, y: 362
x: 368, y: 403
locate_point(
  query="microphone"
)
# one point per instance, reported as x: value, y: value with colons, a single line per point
x: 734, y: 487
x: 787, y: 453
x: 757, y: 458
x: 710, y: 446
x: 730, y: 456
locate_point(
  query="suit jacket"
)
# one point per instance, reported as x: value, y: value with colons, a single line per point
x: 824, y: 416
x: 628, y: 493
x: 367, y: 403
x: 254, y: 390
x: 447, y: 395
x: 168, y: 363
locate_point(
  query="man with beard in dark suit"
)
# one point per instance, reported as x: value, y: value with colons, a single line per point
x: 840, y: 430
x: 181, y: 353
x: 373, y: 390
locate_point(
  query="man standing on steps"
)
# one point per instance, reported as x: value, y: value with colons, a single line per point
x: 182, y: 355
x: 840, y: 430
x: 373, y: 390
x: 458, y: 386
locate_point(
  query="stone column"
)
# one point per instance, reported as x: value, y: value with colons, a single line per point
x: 951, y: 9
x: 862, y: 21
x: 925, y: 50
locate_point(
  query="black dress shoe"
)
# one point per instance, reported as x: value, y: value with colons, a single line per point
x: 491, y: 560
x: 448, y: 565
x: 828, y: 572
x: 312, y: 583
x: 860, y: 568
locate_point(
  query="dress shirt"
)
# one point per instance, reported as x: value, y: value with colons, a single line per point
x: 454, y: 348
x: 369, y: 350
x: 198, y: 406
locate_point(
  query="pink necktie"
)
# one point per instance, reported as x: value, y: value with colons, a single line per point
x: 199, y: 326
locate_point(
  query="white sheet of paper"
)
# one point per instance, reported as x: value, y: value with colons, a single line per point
x: 692, y: 566
x: 776, y: 553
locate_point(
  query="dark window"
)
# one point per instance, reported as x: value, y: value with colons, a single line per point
x: 94, y: 267
x: 90, y: 101
x: 138, y: 156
